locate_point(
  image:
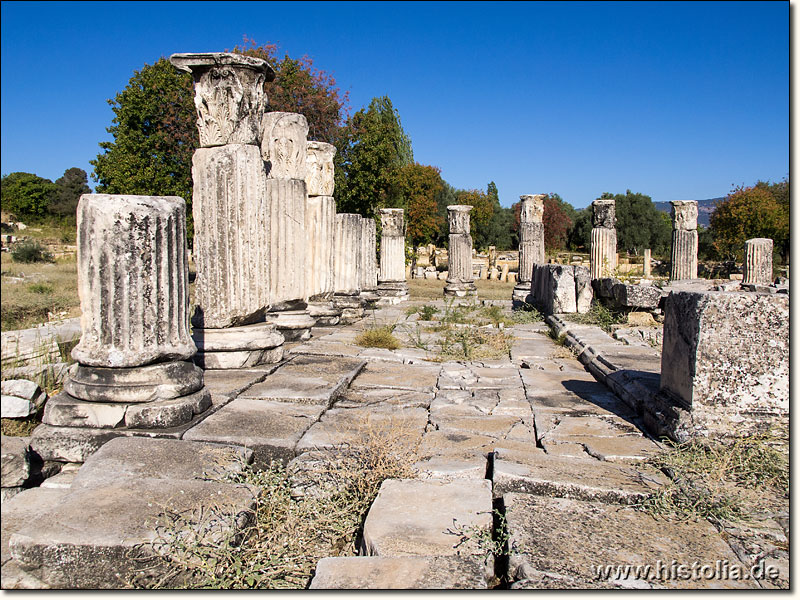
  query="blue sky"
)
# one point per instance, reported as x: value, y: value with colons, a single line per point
x: 678, y: 100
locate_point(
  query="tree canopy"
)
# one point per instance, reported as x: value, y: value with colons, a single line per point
x: 759, y: 211
x: 26, y: 195
x: 419, y: 185
x: 640, y: 224
x: 71, y: 186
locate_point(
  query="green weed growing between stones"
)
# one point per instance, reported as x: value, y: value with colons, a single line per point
x: 719, y: 480
x: 379, y: 336
x: 599, y: 315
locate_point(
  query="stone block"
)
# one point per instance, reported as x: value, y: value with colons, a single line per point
x: 422, y: 518
x: 398, y: 573
x: 561, y: 288
x: 725, y: 363
x: 99, y: 537
x: 16, y: 461
x: 637, y: 296
x: 572, y: 538
x: 382, y: 374
x: 24, y: 508
x: 12, y: 407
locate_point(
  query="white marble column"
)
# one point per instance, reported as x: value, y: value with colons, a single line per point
x: 460, y: 282
x: 758, y: 261
x: 684, y: 240
x: 603, y: 257
x: 369, y: 264
x: 531, y: 246
x: 392, y: 286
x: 347, y: 266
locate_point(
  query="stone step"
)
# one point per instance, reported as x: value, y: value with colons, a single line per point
x: 400, y: 573
x: 429, y: 518
x: 100, y: 537
x: 571, y: 538
x: 307, y: 380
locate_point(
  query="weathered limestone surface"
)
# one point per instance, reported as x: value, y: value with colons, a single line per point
x: 238, y: 347
x: 531, y: 236
x: 133, y: 279
x: 158, y: 381
x: 561, y: 288
x: 347, y: 265
x: 21, y: 398
x: 284, y: 145
x: 286, y: 200
x: 725, y: 364
x: 460, y: 282
x: 757, y: 261
x: 232, y: 236
x: 393, y: 247
x: 320, y: 220
x: 16, y: 461
x: 684, y: 240
x: 369, y: 267
x: 319, y: 168
x: 229, y: 95
x: 603, y: 258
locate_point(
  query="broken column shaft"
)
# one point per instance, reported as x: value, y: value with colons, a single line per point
x: 684, y: 240
x: 460, y: 282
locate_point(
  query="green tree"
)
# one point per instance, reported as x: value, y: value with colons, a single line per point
x: 759, y: 211
x: 444, y: 198
x: 579, y: 237
x: 26, y: 196
x: 71, y: 186
x: 372, y: 148
x: 498, y: 231
x: 418, y: 186
x: 480, y: 216
x: 640, y: 224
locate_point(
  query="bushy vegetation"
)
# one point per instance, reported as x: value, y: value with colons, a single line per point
x: 31, y: 251
x: 379, y: 336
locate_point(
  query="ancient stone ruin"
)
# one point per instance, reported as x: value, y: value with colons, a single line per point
x: 460, y: 282
x: 134, y: 371
x: 604, y: 239
x: 347, y: 265
x: 369, y: 265
x: 392, y: 286
x: 531, y: 246
x: 684, y: 240
x: 233, y: 256
x: 757, y: 262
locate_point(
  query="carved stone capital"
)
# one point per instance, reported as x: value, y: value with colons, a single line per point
x: 319, y: 168
x: 228, y: 95
x: 604, y: 213
x: 284, y: 145
x: 684, y: 215
x: 532, y: 208
x: 458, y: 217
x: 392, y: 222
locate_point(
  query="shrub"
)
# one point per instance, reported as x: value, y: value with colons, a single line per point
x: 29, y: 251
x: 379, y: 337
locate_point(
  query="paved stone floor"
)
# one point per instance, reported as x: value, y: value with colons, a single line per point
x: 536, y: 444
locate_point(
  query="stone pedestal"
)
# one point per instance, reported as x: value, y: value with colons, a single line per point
x: 134, y: 369
x: 347, y: 249
x: 531, y: 247
x: 684, y: 240
x: 460, y: 282
x: 233, y: 209
x: 757, y: 262
x: 603, y: 257
x: 392, y: 286
x: 369, y: 265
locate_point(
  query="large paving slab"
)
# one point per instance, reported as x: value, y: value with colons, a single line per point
x: 428, y: 518
x: 26, y: 507
x: 327, y: 349
x: 574, y: 538
x: 400, y: 573
x: 226, y: 384
x: 270, y: 429
x: 377, y: 397
x: 160, y: 459
x: 355, y: 427
x: 307, y: 380
x: 98, y: 537
x: 536, y: 472
x: 382, y: 374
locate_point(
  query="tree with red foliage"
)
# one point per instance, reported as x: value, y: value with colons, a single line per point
x: 418, y: 186
x: 556, y: 218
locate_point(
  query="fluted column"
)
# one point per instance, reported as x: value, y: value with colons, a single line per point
x: 369, y: 266
x: 758, y: 261
x: 392, y: 286
x: 531, y: 247
x: 231, y: 203
x: 347, y: 266
x: 460, y: 282
x: 603, y: 257
x: 133, y: 366
x: 684, y: 240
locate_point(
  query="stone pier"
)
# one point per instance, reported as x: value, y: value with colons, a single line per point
x: 460, y: 282
x: 369, y: 263
x: 684, y: 240
x: 232, y: 220
x: 392, y: 286
x: 320, y: 217
x: 757, y: 262
x: 134, y: 368
x: 347, y: 249
x: 603, y: 258
x: 531, y: 246
x: 284, y: 150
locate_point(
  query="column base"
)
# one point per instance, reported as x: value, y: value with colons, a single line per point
x: 460, y: 289
x: 369, y: 297
x: 325, y: 313
x: 521, y: 296
x: 352, y: 307
x: 295, y: 325
x: 238, y: 347
x: 392, y: 292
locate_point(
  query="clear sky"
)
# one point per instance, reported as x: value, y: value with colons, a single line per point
x: 677, y: 100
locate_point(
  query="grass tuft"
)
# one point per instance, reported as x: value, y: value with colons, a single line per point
x: 380, y: 336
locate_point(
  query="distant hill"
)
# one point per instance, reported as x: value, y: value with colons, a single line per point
x: 704, y: 209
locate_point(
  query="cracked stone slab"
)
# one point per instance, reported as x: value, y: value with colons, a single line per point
x: 570, y: 537
x: 270, y: 429
x: 395, y: 573
x: 618, y: 449
x: 26, y: 507
x: 493, y: 426
x: 329, y: 349
x: 307, y: 380
x: 380, y: 354
x: 449, y: 467
x: 427, y: 517
x: 592, y: 426
x: 353, y: 427
x: 227, y: 384
x: 94, y: 536
x: 417, y: 378
x: 363, y: 397
x: 536, y: 472
x: 160, y: 459
x: 568, y: 404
